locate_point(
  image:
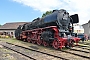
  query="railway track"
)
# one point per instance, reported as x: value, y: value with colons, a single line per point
x: 19, y: 49
x: 70, y: 54
x: 73, y: 53
x: 83, y: 47
x: 78, y: 53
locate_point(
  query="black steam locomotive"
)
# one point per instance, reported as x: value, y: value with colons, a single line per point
x: 49, y: 30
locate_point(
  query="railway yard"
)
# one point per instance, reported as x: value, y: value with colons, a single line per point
x: 12, y: 49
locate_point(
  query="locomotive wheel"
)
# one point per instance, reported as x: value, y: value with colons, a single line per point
x: 45, y: 43
x: 55, y: 44
x: 24, y: 40
x: 28, y: 39
x: 66, y: 45
x: 39, y: 42
x: 71, y: 43
x: 20, y: 38
x: 33, y: 42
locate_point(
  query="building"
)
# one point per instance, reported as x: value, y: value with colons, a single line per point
x: 9, y: 28
x: 86, y: 27
x: 78, y: 28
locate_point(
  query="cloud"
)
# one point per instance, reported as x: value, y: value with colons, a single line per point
x: 41, y: 5
x: 81, y: 7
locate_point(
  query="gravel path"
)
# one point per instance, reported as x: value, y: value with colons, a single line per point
x: 6, y: 54
x: 75, y: 53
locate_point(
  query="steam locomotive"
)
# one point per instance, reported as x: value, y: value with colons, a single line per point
x: 50, y: 30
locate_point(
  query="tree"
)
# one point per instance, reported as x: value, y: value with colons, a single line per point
x: 0, y: 25
x: 46, y: 13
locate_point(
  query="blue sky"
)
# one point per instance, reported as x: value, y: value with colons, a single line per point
x: 27, y: 10
x: 14, y: 12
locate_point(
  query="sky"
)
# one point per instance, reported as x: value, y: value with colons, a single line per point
x: 27, y: 10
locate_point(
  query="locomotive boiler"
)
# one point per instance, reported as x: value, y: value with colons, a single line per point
x: 50, y: 30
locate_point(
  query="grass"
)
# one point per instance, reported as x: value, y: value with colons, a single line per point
x: 25, y: 44
x: 6, y: 54
x: 85, y: 43
x: 18, y: 42
x: 14, y: 41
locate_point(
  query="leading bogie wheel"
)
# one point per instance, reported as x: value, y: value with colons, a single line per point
x: 71, y: 43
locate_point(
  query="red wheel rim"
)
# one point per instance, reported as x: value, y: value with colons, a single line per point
x: 45, y: 43
x: 72, y: 43
x: 55, y: 44
x: 39, y: 42
x: 24, y: 39
x: 33, y: 42
x: 28, y: 40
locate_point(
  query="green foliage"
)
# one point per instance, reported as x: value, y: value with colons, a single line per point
x: 0, y: 25
x: 46, y: 13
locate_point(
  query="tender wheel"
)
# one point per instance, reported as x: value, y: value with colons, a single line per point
x: 24, y: 40
x: 55, y: 44
x: 28, y: 39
